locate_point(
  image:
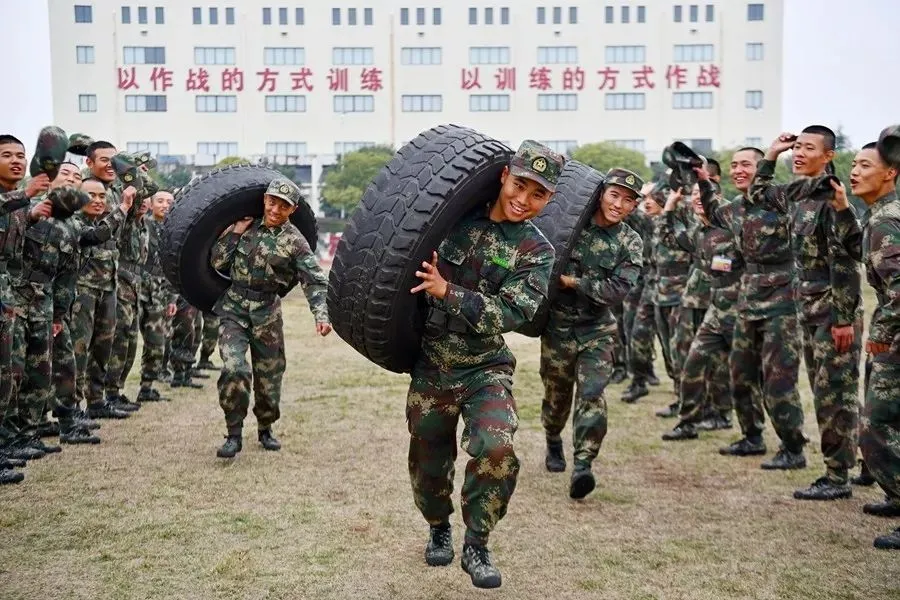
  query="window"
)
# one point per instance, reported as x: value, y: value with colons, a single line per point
x: 694, y: 53
x: 755, y: 12
x: 267, y: 16
x: 573, y: 15
x: 286, y: 148
x: 488, y: 16
x: 145, y: 104
x: 560, y: 146
x: 626, y: 54
x: 284, y: 56
x: 753, y: 99
x: 142, y: 15
x: 489, y: 55
x: 420, y: 56
x: 710, y: 13
x: 87, y: 102
x: 345, y: 147
x: 677, y: 14
x: 83, y: 14
x: 422, y: 103
x: 368, y: 17
x: 616, y: 101
x: 84, y: 55
x: 216, y: 103
x: 213, y: 56
x: 694, y: 13
x: 702, y: 146
x: 299, y: 16
x: 690, y: 100
x: 754, y: 51
x: 282, y: 16
x: 626, y: 14
x: 609, y: 15
x: 126, y: 15
x: 557, y: 101
x: 352, y: 56
x: 198, y: 15
x: 217, y: 148
x: 754, y: 142
x: 140, y: 55
x: 404, y: 16
x: 641, y: 14
x: 285, y: 103
x: 335, y: 16
x: 229, y: 16
x: 557, y: 15
x: 155, y: 148
x: 555, y: 55
x: 351, y: 16
x: 347, y: 104
x: 488, y: 102
x: 541, y: 15
x: 160, y: 15
x: 436, y: 16
x: 473, y: 16
x: 636, y: 145
x: 504, y: 16
x: 213, y: 16
x: 420, y: 16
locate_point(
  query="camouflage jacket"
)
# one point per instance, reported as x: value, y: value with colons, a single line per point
x: 97, y: 240
x: 689, y: 237
x: 497, y: 276
x: 263, y: 264
x: 132, y: 239
x: 881, y: 247
x: 155, y: 287
x: 12, y: 234
x: 721, y: 257
x: 605, y: 262
x: 829, y: 281
x: 645, y: 288
x: 673, y: 263
x: 49, y: 267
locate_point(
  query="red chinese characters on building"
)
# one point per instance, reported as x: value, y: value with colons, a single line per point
x: 300, y: 80
x: 610, y: 78
x: 573, y: 79
x: 128, y: 79
x: 232, y: 80
x: 676, y: 75
x: 642, y: 78
x: 339, y: 79
x: 370, y: 80
x: 709, y: 76
x: 470, y: 79
x: 506, y: 78
x: 161, y: 77
x: 268, y: 80
x: 539, y: 78
x: 197, y: 80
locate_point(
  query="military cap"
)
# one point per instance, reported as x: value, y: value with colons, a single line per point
x: 888, y: 145
x: 144, y: 158
x: 66, y: 201
x: 49, y: 152
x: 285, y: 189
x: 626, y: 179
x: 126, y: 170
x: 538, y: 163
x: 79, y: 143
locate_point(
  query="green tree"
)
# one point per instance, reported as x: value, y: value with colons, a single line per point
x: 347, y: 181
x: 231, y: 160
x: 178, y: 177
x: 841, y: 141
x: 603, y: 156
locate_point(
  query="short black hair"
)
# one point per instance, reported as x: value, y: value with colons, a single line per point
x: 869, y: 146
x: 825, y: 132
x: 98, y: 145
x: 713, y: 167
x: 8, y: 138
x: 756, y: 151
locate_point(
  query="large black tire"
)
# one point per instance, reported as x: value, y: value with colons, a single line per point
x: 561, y: 222
x: 405, y: 213
x: 202, y: 210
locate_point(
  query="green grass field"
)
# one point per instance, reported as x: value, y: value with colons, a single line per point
x: 152, y: 513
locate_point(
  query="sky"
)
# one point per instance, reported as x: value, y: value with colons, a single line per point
x: 839, y: 67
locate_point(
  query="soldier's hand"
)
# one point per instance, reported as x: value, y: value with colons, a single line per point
x: 843, y: 337
x: 171, y: 310
x: 782, y: 143
x: 840, y: 201
x: 56, y: 328
x: 37, y: 185
x: 128, y: 197
x: 567, y: 281
x: 877, y: 347
x: 323, y: 329
x: 145, y: 206
x: 42, y: 209
x: 672, y: 200
x: 702, y: 173
x: 433, y: 283
x: 242, y: 225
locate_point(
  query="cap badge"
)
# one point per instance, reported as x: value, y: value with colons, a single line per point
x: 630, y: 180
x: 285, y: 188
x: 539, y: 164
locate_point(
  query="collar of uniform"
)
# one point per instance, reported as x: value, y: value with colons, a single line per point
x: 272, y: 230
x: 508, y: 228
x: 882, y: 202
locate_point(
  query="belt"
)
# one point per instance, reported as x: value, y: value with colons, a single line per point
x: 814, y: 275
x: 441, y: 320
x: 759, y: 268
x: 673, y: 271
x: 721, y: 280
x: 251, y: 294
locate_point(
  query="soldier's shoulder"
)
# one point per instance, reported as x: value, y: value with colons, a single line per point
x: 533, y: 240
x: 292, y: 237
x: 629, y: 236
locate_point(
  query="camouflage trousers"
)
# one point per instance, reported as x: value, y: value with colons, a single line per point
x: 64, y: 370
x: 666, y: 325
x: 183, y: 350
x: 765, y: 356
x: 154, y: 326
x: 834, y: 380
x: 209, y: 336
x: 124, y: 348
x: 640, y: 321
x: 705, y: 376
x: 568, y: 366
x: 7, y: 330
x: 433, y: 407
x: 93, y: 327
x: 265, y: 341
x: 31, y: 369
x: 879, y: 438
x: 620, y: 348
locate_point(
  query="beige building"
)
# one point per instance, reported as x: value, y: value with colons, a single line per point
x: 303, y: 81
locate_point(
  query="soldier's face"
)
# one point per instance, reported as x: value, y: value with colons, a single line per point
x: 101, y: 164
x: 12, y: 163
x: 160, y: 205
x: 695, y: 200
x: 68, y: 175
x: 810, y: 155
x: 651, y: 206
x: 276, y: 211
x: 616, y: 204
x: 869, y: 175
x: 743, y: 169
x: 520, y: 198
x: 97, y: 193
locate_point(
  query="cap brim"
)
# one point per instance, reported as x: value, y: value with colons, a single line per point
x: 283, y: 197
x: 529, y: 174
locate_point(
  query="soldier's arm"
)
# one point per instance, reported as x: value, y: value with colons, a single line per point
x: 848, y: 232
x: 779, y: 197
x: 712, y: 205
x: 846, y: 280
x: 13, y: 200
x: 222, y: 253
x: 64, y: 287
x: 614, y: 289
x: 885, y: 257
x: 312, y: 279
x: 675, y: 233
x: 517, y: 301
x: 103, y: 231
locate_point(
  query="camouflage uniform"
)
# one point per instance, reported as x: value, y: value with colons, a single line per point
x: 209, y: 336
x: 880, y: 432
x: 264, y: 264
x: 183, y: 350
x: 640, y: 319
x: 577, y: 345
x: 156, y: 294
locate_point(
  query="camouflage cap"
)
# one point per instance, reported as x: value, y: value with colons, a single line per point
x: 537, y: 162
x: 888, y: 145
x: 49, y: 152
x: 626, y: 179
x: 66, y: 201
x: 79, y: 143
x: 149, y: 187
x: 144, y: 158
x: 285, y: 189
x: 126, y: 170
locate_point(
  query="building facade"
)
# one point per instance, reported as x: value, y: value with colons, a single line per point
x: 302, y: 82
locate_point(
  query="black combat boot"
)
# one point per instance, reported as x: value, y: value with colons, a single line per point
x: 231, y: 447
x: 16, y: 450
x: 888, y: 508
x: 824, y: 489
x: 206, y: 365
x: 183, y: 379
x: 148, y: 394
x: 785, y: 460
x: 745, y: 447
x: 72, y: 433
x: 82, y: 419
x: 439, y: 549
x: 637, y: 389
x: 864, y: 478
x: 39, y: 444
x: 682, y: 431
x: 9, y: 476
x: 476, y: 561
x: 888, y: 541
x: 582, y: 482
x: 10, y: 463
x: 48, y: 429
x: 196, y: 372
x: 555, y: 461
x: 105, y: 410
x: 652, y: 379
x: 268, y: 440
x: 668, y: 412
x: 619, y: 375
x: 121, y: 402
